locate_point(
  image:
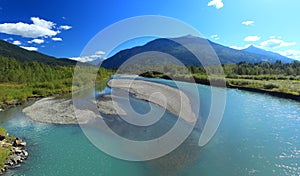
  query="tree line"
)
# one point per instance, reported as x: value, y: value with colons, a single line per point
x: 276, y: 70
x: 18, y: 81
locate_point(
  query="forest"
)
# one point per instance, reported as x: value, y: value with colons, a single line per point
x: 20, y: 82
x: 279, y: 79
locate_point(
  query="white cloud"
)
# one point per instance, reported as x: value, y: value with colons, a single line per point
x: 38, y: 28
x: 82, y: 59
x: 217, y: 3
x: 215, y: 37
x: 251, y: 39
x: 57, y: 39
x: 42, y: 23
x: 65, y: 27
x: 29, y: 48
x: 236, y: 47
x: 37, y: 41
x: 274, y: 37
x: 241, y: 47
x: 8, y: 39
x: 27, y: 30
x: 247, y: 23
x: 97, y: 55
x: 100, y: 53
x: 293, y: 54
x: 16, y: 42
x: 276, y: 43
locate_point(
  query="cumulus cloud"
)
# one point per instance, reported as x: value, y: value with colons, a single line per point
x: 236, y: 47
x: 83, y: 59
x: 38, y: 28
x: 100, y: 53
x: 97, y: 55
x: 293, y: 54
x: 57, y: 39
x: 217, y: 3
x: 276, y: 43
x: 215, y: 37
x: 8, y: 39
x: 16, y: 42
x: 239, y: 47
x: 274, y: 37
x: 42, y: 23
x: 37, y: 41
x: 65, y: 27
x: 247, y: 23
x: 252, y: 38
x: 29, y: 48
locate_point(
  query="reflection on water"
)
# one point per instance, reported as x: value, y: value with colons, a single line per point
x: 259, y: 135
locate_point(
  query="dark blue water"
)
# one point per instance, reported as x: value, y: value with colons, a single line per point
x: 259, y: 135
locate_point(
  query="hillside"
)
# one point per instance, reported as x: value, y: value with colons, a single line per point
x: 171, y: 46
x: 23, y: 55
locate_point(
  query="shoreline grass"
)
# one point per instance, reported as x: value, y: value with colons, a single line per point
x: 283, y: 88
x: 4, y: 151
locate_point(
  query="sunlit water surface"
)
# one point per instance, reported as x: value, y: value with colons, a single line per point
x: 259, y: 135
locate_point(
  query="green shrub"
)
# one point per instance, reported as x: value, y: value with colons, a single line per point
x: 270, y: 86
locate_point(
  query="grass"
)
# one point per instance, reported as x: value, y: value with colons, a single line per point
x: 279, y: 85
x: 4, y: 152
x: 3, y: 131
x: 20, y: 92
x: 14, y: 93
x: 9, y: 92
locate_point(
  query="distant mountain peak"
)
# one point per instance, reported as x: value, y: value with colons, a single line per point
x: 188, y: 36
x: 252, y: 46
x: 274, y: 56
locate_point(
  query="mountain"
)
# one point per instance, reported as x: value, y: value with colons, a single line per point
x: 195, y: 44
x: 23, y: 55
x: 269, y: 54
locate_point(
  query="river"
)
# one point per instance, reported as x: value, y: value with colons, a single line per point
x: 259, y: 135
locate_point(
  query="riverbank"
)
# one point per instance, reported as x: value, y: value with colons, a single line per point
x: 13, y: 103
x: 270, y: 87
x: 20, y: 94
x: 12, y: 151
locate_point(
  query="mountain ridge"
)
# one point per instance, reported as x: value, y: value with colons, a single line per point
x: 172, y: 47
x: 22, y: 55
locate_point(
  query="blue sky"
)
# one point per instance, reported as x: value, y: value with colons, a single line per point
x: 63, y: 28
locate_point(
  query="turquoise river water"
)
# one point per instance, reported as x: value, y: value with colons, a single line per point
x: 259, y: 135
